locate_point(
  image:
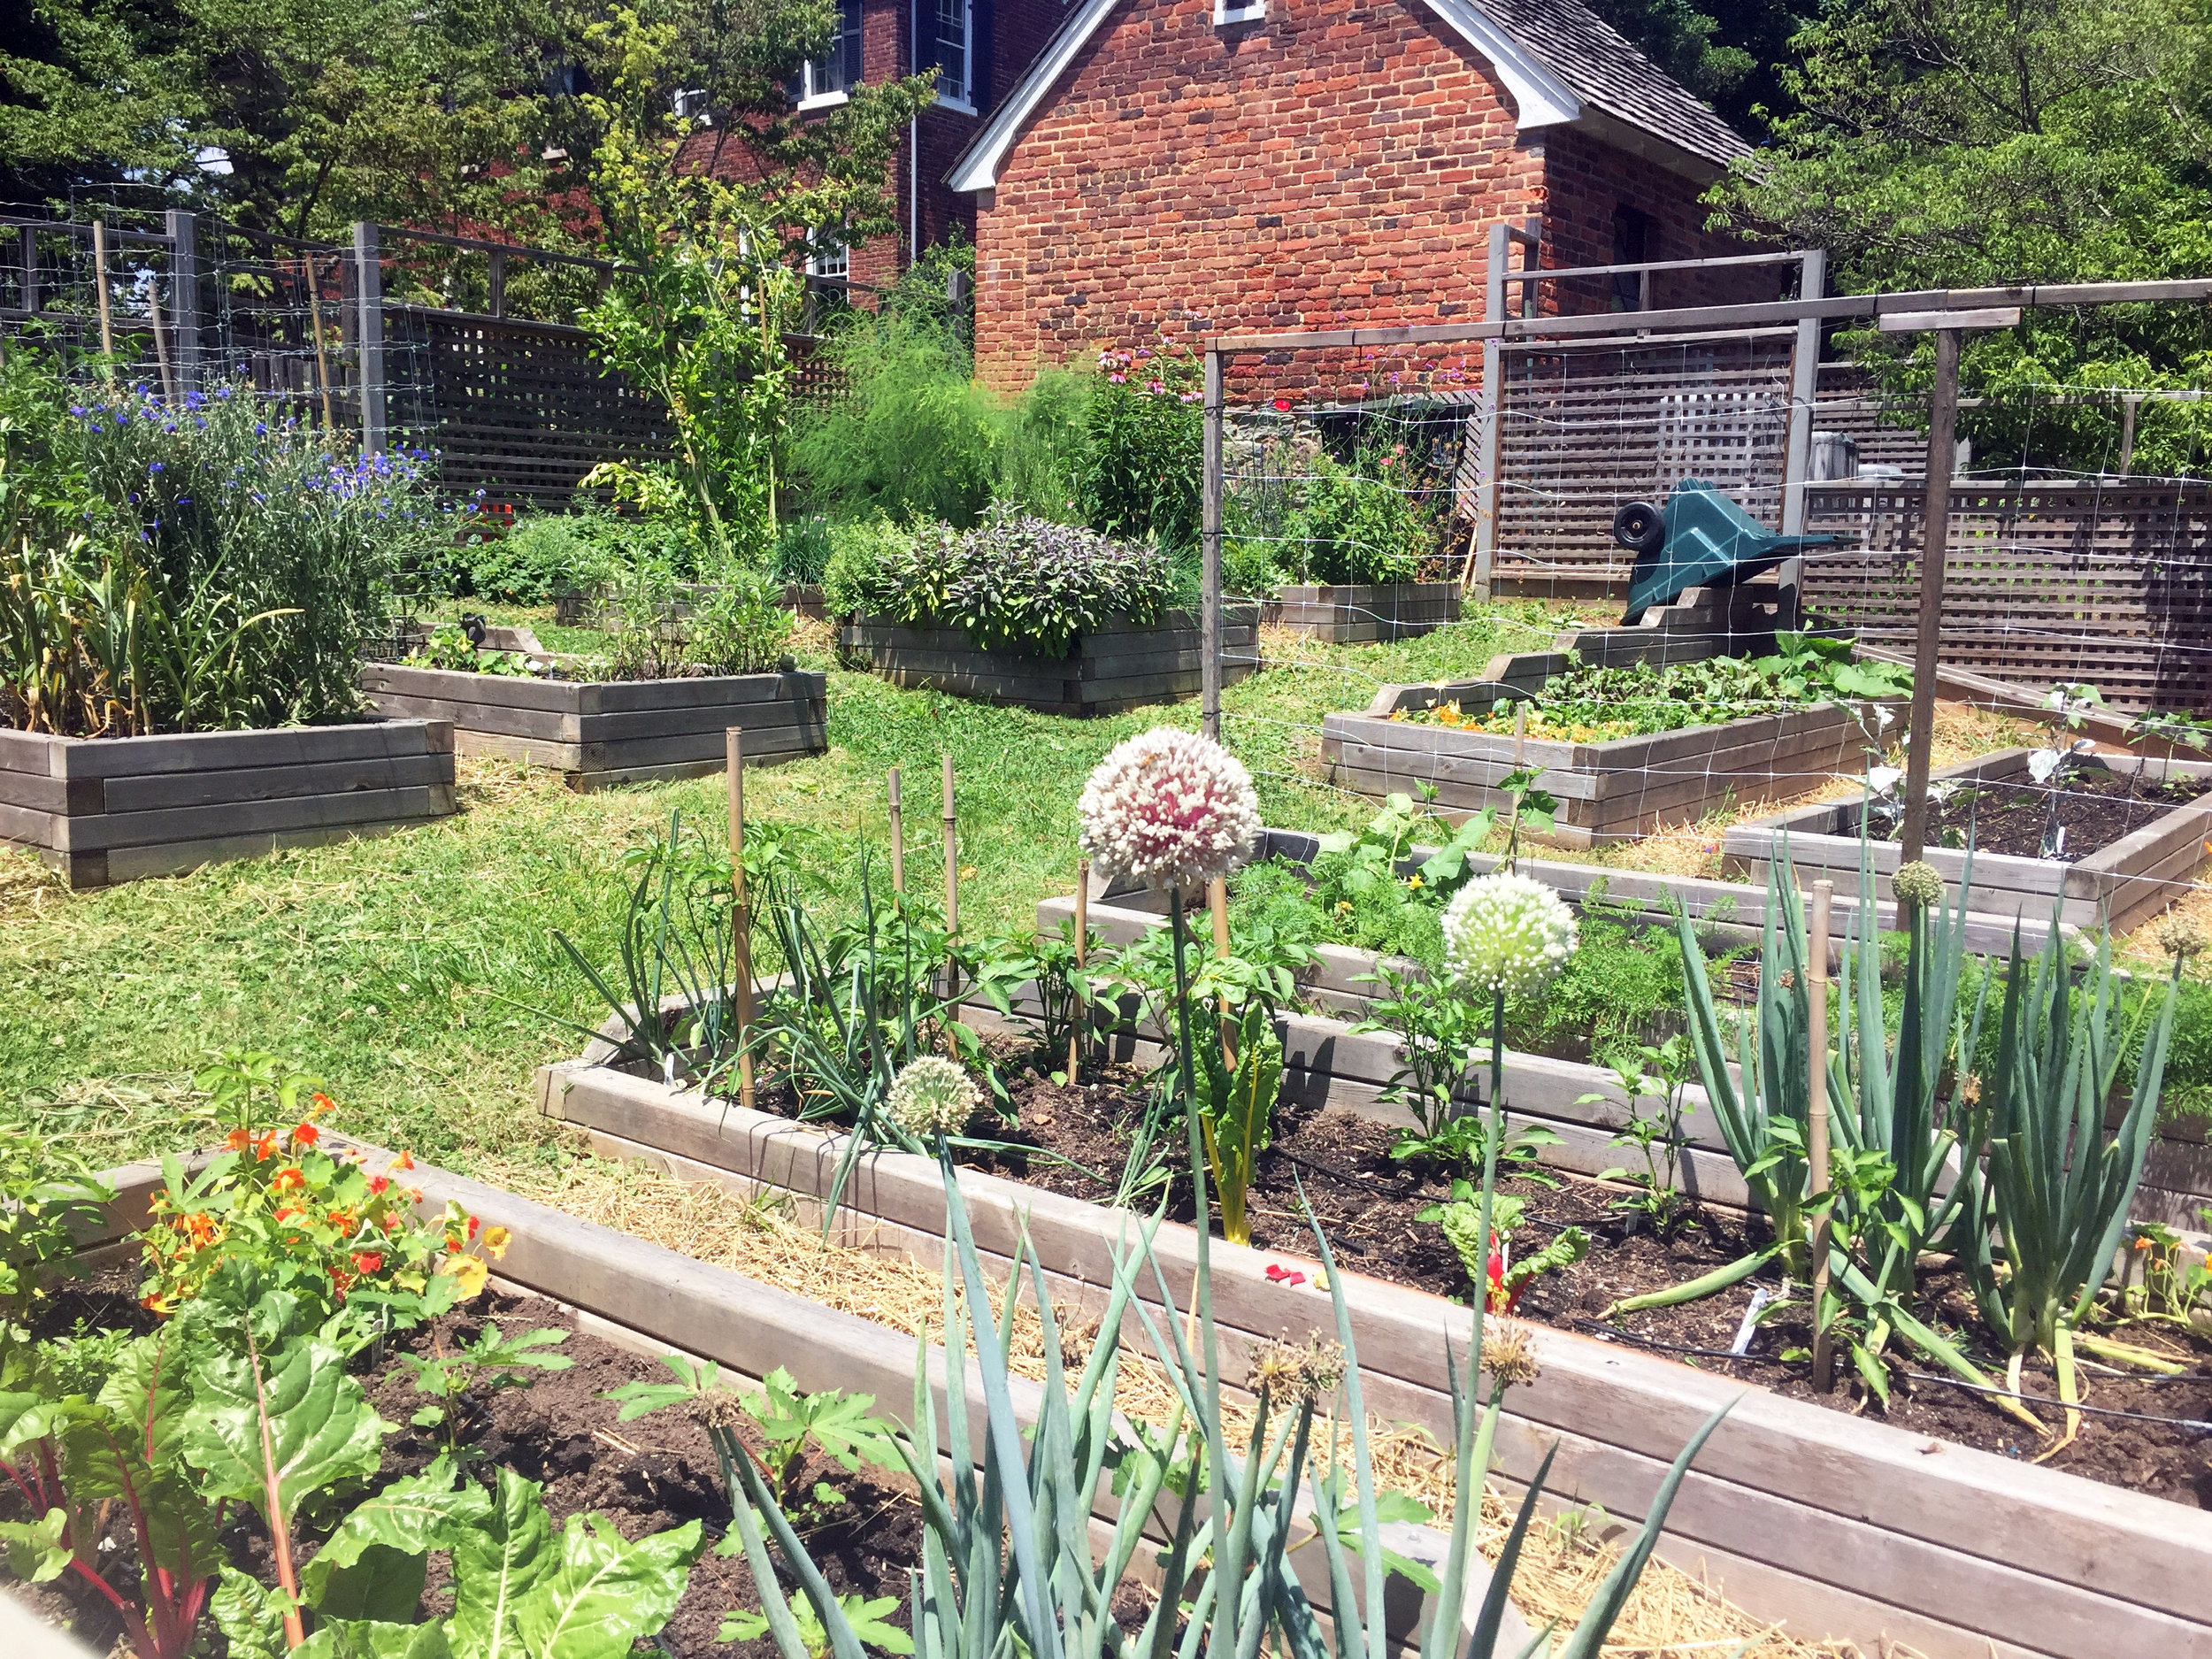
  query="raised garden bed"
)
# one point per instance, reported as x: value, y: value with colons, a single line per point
x: 1843, y: 1526
x: 103, y: 811
x: 598, y: 733
x: 627, y: 1302
x: 1609, y: 789
x: 1121, y: 665
x: 1364, y: 612
x: 2136, y: 837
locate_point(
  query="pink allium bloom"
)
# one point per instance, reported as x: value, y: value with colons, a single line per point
x: 1169, y: 809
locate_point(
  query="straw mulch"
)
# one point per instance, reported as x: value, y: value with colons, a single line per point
x: 1671, y: 1615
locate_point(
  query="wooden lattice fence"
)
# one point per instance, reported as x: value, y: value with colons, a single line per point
x: 2104, y: 581
x: 1584, y: 431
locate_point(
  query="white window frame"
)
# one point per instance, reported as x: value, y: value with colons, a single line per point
x: 964, y: 101
x: 1225, y: 13
x: 831, y: 98
x: 819, y: 260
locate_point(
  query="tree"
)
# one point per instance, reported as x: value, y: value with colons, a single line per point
x: 296, y: 117
x: 1962, y: 144
x: 1728, y: 52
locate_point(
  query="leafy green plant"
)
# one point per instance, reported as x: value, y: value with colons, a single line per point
x: 865, y: 1616
x: 45, y: 1192
x: 1660, y: 1073
x: 803, y: 547
x: 1235, y: 1105
x: 1068, y: 994
x: 738, y: 624
x: 1141, y: 465
x: 1463, y: 1142
x: 1359, y: 523
x: 490, y: 1364
x: 1493, y: 1265
x: 449, y: 646
x: 545, y: 555
x: 836, y: 1424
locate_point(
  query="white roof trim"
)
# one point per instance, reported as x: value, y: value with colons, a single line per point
x: 1541, y: 98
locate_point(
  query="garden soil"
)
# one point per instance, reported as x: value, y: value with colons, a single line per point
x: 2095, y: 809
x: 1368, y: 1206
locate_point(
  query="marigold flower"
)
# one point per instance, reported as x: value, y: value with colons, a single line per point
x: 1169, y: 809
x: 1507, y: 933
x: 932, y: 1097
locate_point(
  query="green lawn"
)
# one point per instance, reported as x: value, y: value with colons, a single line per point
x: 419, y: 973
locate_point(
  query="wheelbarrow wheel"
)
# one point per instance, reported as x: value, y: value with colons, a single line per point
x: 1641, y: 528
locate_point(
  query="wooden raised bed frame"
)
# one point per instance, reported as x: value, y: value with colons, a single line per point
x: 654, y: 1300
x: 2135, y: 877
x: 1840, y: 1527
x: 1614, y: 790
x: 107, y: 809
x: 1361, y: 613
x: 1108, y: 670
x: 597, y: 733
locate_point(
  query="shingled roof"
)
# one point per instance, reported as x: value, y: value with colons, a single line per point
x: 1561, y: 63
x: 1596, y: 61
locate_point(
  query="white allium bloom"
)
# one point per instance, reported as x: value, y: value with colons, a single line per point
x: 1169, y: 809
x: 1507, y: 933
x: 932, y: 1097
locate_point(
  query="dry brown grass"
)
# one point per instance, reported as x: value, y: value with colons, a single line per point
x: 1671, y: 1615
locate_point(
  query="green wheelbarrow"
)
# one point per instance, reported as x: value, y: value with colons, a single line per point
x: 1700, y: 539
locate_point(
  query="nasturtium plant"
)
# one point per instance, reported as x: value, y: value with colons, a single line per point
x: 42, y: 1190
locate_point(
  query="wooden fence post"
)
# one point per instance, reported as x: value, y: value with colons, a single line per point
x: 1479, y: 561
x: 100, y: 287
x: 368, y: 335
x: 1935, y: 529
x: 184, y: 295
x: 1797, y: 459
x: 1209, y: 558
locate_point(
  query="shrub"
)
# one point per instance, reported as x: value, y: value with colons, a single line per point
x: 209, y: 570
x: 1357, y: 524
x: 545, y: 555
x: 739, y: 626
x: 914, y: 435
x: 1143, y: 464
x: 1016, y: 582
x: 1044, y: 445
x: 857, y: 552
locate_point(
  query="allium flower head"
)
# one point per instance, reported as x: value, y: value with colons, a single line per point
x: 1169, y: 809
x: 1918, y: 883
x: 1507, y: 933
x: 931, y: 1097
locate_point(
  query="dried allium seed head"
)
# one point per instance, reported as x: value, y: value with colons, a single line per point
x: 1169, y: 808
x: 1508, y: 1354
x: 1079, y: 1335
x: 1507, y: 933
x: 2180, y: 938
x: 1918, y: 883
x: 719, y: 1411
x: 932, y: 1097
x: 1277, y: 1370
x: 1324, y: 1370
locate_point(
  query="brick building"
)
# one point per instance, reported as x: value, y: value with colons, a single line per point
x: 1188, y: 166
x: 979, y: 49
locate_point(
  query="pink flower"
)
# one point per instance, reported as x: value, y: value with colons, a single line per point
x: 1169, y: 809
x: 1282, y: 405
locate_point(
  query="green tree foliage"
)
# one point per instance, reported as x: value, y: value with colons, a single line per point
x: 295, y: 118
x: 1968, y: 143
x: 1728, y: 52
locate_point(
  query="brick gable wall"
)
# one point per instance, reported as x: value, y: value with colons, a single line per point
x: 1340, y: 163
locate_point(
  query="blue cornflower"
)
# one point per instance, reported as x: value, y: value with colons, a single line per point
x: 154, y: 467
x: 77, y: 410
x: 260, y: 429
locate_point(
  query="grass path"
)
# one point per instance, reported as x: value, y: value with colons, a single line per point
x: 420, y: 973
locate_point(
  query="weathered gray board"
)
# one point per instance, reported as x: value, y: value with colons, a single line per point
x: 654, y: 1300
x: 2135, y: 877
x: 1608, y: 791
x: 107, y: 809
x: 608, y: 732
x: 1838, y: 1526
x: 1359, y: 613
x: 1121, y: 665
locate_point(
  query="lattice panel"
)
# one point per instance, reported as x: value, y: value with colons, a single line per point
x: 2106, y: 582
x: 1583, y: 432
x: 1848, y: 401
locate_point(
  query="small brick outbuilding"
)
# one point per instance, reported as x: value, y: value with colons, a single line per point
x: 1188, y: 166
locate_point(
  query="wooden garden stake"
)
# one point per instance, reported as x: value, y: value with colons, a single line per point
x: 952, y: 910
x: 322, y: 362
x: 100, y: 286
x: 1217, y: 902
x: 1082, y: 955
x: 161, y: 349
x: 1816, y: 1124
x: 741, y: 920
x: 1520, y: 733
x: 898, y: 837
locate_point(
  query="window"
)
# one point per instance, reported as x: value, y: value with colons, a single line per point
x: 828, y: 79
x: 1632, y: 245
x: 830, y: 261
x: 1239, y: 12
x: 956, y: 54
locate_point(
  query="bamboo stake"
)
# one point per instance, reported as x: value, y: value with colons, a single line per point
x: 100, y: 286
x: 741, y: 918
x: 1217, y: 902
x: 1818, y: 1177
x: 322, y: 361
x: 952, y: 910
x: 1082, y: 956
x: 898, y: 837
x: 161, y: 351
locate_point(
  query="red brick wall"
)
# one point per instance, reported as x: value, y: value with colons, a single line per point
x: 1341, y: 163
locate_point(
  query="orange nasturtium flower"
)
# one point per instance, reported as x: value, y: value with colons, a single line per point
x: 323, y: 1103
x: 288, y: 1180
x: 265, y: 1149
x: 368, y: 1261
x: 305, y: 1134
x: 405, y: 1161
x: 237, y: 1140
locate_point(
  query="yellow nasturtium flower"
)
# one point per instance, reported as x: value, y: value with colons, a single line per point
x: 469, y: 1271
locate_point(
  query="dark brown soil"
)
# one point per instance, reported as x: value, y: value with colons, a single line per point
x: 645, y: 1476
x: 1366, y: 1204
x: 2095, y: 809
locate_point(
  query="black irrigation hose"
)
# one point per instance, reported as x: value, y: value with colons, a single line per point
x: 1607, y: 1334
